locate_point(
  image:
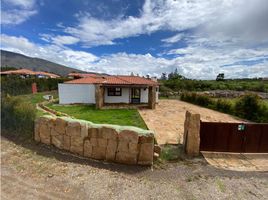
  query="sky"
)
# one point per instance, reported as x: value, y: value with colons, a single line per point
x: 147, y: 37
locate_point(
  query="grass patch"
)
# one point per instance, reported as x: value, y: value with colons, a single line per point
x: 123, y: 117
x: 171, y: 153
x: 221, y: 185
x: 38, y: 97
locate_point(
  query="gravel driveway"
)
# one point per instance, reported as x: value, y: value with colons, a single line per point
x: 31, y: 171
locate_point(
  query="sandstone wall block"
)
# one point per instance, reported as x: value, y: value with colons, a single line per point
x: 122, y: 146
x: 66, y: 142
x: 111, y: 150
x: 146, y: 154
x: 60, y: 125
x: 73, y: 129
x: 109, y: 133
x: 77, y: 145
x: 44, y: 133
x: 126, y: 158
x: 94, y: 132
x: 87, y: 148
x: 57, y: 141
x: 99, y: 153
x: 129, y: 136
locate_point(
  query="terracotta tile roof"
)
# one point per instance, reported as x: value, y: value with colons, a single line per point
x: 82, y: 75
x: 114, y: 80
x: 29, y: 72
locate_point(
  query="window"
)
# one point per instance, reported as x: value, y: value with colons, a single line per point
x: 114, y: 91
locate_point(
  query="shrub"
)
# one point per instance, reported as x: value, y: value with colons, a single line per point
x: 17, y: 115
x: 249, y: 107
x: 224, y: 106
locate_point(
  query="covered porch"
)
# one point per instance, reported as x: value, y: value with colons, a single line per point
x: 125, y: 96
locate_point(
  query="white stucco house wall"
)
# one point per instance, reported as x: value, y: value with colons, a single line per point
x: 115, y: 90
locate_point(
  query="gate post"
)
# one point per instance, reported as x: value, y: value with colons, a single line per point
x: 191, y: 137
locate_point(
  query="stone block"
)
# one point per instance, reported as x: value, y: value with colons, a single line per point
x: 53, y: 132
x: 98, y: 153
x: 94, y: 141
x: 84, y: 130
x: 129, y: 136
x: 133, y: 147
x: 93, y: 132
x: 111, y: 150
x: 66, y: 142
x: 88, y: 148
x: 157, y: 149
x: 73, y: 129
x: 36, y: 131
x: 77, y: 145
x: 146, y: 139
x: 109, y: 133
x: 57, y: 141
x: 146, y: 154
x: 126, y: 158
x: 192, y: 135
x: 122, y: 146
x: 60, y: 125
x: 102, y: 142
x: 44, y: 133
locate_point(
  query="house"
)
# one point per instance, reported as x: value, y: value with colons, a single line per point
x: 25, y: 73
x: 106, y: 90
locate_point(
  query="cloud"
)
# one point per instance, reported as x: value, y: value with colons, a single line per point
x: 198, y: 61
x: 15, y: 12
x: 154, y: 16
x: 54, y: 53
x: 174, y: 39
x: 59, y: 39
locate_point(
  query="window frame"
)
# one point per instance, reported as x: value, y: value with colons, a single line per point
x: 114, y: 92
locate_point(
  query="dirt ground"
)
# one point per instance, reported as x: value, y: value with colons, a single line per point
x: 35, y: 171
x: 167, y: 120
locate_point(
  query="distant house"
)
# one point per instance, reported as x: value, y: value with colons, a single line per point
x: 102, y: 90
x: 25, y: 73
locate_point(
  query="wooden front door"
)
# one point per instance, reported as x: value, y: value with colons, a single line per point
x: 135, y: 95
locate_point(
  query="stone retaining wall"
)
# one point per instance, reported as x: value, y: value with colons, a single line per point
x: 122, y: 144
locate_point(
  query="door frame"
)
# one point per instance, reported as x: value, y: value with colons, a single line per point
x: 135, y: 100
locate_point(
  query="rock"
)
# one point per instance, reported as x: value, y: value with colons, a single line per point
x: 122, y: 146
x: 126, y: 158
x: 146, y: 154
x: 57, y: 141
x: 44, y: 133
x: 66, y: 142
x: 87, y: 148
x: 111, y: 150
x: 73, y: 129
x: 156, y: 156
x: 60, y: 125
x: 157, y: 149
x: 98, y: 153
x: 129, y: 136
x: 77, y: 145
x: 109, y: 133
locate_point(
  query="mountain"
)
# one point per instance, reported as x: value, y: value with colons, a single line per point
x: 11, y: 59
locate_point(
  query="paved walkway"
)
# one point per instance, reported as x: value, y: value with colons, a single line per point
x: 238, y: 161
x: 167, y: 120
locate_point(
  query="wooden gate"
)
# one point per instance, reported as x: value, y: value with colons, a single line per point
x: 234, y: 137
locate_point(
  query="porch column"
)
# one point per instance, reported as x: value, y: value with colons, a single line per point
x: 99, y: 96
x: 151, y: 97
